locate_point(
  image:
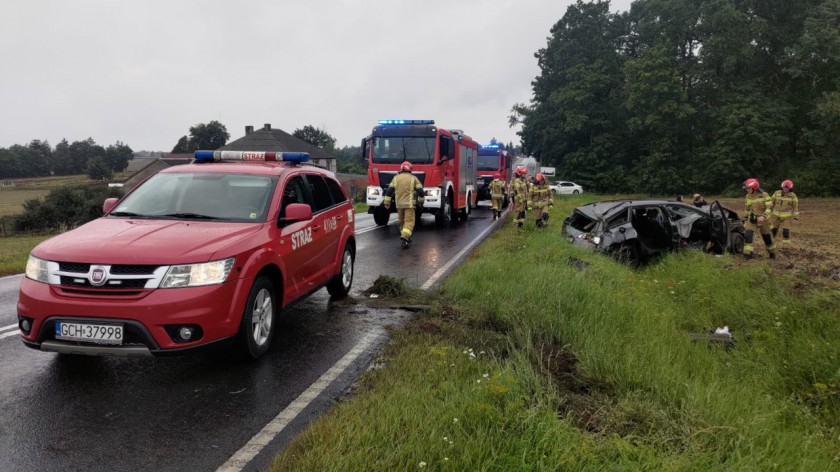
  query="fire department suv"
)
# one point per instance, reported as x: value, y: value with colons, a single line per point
x: 443, y: 160
x: 199, y: 254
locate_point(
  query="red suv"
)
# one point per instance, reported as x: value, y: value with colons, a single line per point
x: 198, y: 254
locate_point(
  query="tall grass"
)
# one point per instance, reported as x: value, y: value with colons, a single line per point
x: 556, y: 358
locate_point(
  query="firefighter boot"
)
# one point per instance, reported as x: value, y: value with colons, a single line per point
x: 405, y: 243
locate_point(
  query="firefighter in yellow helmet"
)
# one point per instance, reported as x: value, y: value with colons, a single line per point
x: 497, y: 195
x: 407, y: 190
x: 758, y: 204
x: 519, y: 194
x: 785, y: 206
x: 540, y: 200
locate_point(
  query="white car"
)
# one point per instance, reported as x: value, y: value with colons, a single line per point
x: 566, y: 188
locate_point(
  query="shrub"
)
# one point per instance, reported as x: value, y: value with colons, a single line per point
x: 65, y: 207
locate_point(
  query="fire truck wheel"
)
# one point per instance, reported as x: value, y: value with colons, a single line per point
x: 258, y: 319
x: 444, y: 218
x: 381, y: 215
x: 467, y: 210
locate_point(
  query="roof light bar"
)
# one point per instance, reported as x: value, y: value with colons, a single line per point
x: 490, y: 146
x: 406, y: 122
x: 208, y: 156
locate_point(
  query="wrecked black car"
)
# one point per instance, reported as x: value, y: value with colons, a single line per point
x: 637, y: 230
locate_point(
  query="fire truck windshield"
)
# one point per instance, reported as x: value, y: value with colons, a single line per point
x: 396, y: 149
x: 488, y: 162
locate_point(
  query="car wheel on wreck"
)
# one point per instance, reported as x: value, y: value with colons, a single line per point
x: 628, y: 254
x: 737, y: 243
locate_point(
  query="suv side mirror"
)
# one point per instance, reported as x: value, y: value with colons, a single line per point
x: 109, y: 205
x: 297, y: 212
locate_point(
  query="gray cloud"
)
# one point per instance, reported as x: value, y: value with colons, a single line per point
x: 144, y: 72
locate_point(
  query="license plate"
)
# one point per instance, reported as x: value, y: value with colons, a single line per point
x: 91, y: 333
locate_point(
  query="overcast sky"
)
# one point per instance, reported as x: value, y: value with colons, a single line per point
x: 144, y: 72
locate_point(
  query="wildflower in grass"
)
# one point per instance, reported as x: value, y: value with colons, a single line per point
x: 454, y: 420
x: 421, y: 464
x: 445, y: 459
x: 486, y: 375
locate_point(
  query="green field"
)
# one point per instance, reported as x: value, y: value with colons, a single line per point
x: 11, y: 201
x: 537, y: 355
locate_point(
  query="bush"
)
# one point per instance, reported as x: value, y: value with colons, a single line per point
x: 65, y: 207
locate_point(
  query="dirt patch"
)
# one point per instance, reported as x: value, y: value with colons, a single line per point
x: 813, y: 255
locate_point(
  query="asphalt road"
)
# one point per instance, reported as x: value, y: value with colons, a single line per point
x: 205, y: 412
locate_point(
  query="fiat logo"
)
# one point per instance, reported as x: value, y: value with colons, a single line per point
x: 98, y: 276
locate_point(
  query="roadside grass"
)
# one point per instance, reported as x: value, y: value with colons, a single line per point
x: 360, y: 207
x: 537, y: 355
x: 14, y: 251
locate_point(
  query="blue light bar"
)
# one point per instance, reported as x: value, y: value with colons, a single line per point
x: 251, y: 156
x: 406, y: 122
x: 490, y: 146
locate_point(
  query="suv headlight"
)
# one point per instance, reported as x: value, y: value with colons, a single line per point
x: 374, y: 191
x: 432, y: 192
x: 36, y: 269
x: 194, y: 275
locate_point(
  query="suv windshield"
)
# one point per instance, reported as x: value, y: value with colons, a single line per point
x: 224, y: 197
x: 396, y: 149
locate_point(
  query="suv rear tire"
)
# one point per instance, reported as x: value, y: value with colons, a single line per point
x: 340, y: 285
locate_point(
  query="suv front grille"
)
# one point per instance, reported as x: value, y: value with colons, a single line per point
x: 119, y: 280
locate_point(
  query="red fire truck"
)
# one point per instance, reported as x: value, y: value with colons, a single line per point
x: 443, y: 160
x: 491, y: 159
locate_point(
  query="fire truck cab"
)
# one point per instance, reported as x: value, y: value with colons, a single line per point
x: 443, y: 160
x: 491, y: 159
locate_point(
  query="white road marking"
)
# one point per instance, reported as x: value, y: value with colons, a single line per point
x: 9, y: 334
x: 250, y: 450
x: 441, y: 271
x: 4, y: 328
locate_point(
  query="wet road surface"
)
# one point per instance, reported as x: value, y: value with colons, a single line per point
x: 196, y: 412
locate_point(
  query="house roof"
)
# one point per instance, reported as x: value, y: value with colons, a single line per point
x: 139, y: 163
x: 267, y: 139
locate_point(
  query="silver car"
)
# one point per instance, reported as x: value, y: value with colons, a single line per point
x: 637, y: 230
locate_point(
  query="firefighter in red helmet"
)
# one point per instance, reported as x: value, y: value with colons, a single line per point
x: 519, y: 194
x: 497, y: 195
x: 407, y: 190
x: 785, y: 207
x: 758, y: 208
x: 540, y: 200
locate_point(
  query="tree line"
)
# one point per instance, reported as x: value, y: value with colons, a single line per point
x: 683, y: 96
x: 39, y: 159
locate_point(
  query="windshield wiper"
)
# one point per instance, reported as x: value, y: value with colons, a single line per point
x: 195, y: 216
x: 124, y: 213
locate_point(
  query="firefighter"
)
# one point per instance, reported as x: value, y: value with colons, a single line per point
x: 519, y: 194
x: 758, y: 205
x: 407, y: 190
x: 538, y: 199
x: 785, y: 206
x: 497, y: 195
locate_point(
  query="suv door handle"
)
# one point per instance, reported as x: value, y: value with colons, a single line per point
x: 339, y: 217
x: 316, y: 228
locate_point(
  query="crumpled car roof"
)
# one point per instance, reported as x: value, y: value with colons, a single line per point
x: 603, y: 209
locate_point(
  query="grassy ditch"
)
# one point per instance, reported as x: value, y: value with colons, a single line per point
x: 540, y: 356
